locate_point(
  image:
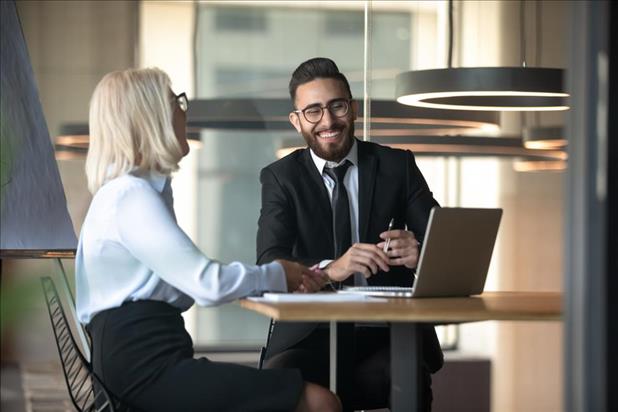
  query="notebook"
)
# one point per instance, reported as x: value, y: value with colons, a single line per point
x: 454, y: 258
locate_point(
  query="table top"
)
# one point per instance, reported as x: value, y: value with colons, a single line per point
x: 519, y: 306
x: 37, y: 253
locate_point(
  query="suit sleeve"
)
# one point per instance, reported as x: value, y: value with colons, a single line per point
x: 419, y: 199
x: 277, y: 224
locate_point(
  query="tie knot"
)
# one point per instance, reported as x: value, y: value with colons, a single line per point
x: 338, y: 173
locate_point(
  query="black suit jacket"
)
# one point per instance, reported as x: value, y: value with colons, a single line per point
x: 296, y: 221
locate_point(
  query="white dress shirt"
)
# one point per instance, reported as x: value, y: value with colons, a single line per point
x: 131, y: 248
x: 350, y: 181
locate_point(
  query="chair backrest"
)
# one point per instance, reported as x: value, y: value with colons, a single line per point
x: 85, y: 388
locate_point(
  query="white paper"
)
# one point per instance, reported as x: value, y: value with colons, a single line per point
x: 314, y: 297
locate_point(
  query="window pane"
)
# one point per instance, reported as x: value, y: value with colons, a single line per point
x: 254, y: 64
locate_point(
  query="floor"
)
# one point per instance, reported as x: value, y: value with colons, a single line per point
x: 40, y: 386
x: 35, y: 387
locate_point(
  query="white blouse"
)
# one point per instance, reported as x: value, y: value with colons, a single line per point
x: 131, y: 248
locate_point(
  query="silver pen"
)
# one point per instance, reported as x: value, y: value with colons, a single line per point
x: 388, y: 239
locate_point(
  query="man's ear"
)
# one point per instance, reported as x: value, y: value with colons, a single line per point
x: 354, y: 107
x: 295, y: 120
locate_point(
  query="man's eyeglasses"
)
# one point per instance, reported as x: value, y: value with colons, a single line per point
x: 182, y: 101
x: 338, y: 108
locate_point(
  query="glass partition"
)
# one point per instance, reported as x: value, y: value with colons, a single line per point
x: 244, y: 53
x: 248, y: 51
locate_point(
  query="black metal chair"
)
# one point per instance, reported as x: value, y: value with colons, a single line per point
x: 85, y: 388
x: 271, y: 325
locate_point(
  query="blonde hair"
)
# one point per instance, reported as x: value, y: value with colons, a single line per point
x: 131, y: 126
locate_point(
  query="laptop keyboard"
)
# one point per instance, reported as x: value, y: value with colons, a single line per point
x: 379, y: 289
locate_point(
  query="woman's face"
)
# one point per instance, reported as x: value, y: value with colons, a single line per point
x: 179, y: 123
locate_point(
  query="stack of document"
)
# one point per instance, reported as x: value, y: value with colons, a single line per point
x: 313, y: 297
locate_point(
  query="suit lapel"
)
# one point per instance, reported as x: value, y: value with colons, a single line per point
x: 367, y: 164
x: 315, y: 180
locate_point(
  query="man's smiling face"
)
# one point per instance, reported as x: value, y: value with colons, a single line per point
x: 331, y: 137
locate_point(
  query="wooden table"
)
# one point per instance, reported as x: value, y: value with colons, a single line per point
x: 404, y: 315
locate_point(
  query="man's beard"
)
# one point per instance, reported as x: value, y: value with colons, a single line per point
x: 334, y: 155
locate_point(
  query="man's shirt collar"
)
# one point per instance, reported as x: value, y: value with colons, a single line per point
x: 320, y: 163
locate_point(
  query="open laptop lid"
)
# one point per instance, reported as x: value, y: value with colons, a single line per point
x: 455, y: 257
x: 458, y: 246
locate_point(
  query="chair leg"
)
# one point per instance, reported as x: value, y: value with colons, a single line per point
x: 265, y: 347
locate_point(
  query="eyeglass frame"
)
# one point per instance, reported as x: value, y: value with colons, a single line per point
x: 183, y: 101
x: 327, y: 106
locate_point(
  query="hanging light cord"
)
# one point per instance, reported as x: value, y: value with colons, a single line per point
x: 522, y: 32
x: 366, y: 71
x: 539, y: 44
x: 522, y: 52
x: 538, y: 16
x: 450, y: 34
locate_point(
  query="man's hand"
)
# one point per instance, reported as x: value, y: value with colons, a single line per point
x: 300, y: 278
x: 362, y: 258
x: 403, y: 248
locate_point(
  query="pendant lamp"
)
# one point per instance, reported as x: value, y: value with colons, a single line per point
x: 74, y: 138
x: 484, y: 88
x: 452, y: 146
x: 387, y: 117
x: 544, y: 137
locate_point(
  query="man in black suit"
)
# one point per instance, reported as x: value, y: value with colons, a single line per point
x: 330, y: 206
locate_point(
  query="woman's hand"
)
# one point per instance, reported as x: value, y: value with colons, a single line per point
x: 302, y: 279
x: 315, y: 281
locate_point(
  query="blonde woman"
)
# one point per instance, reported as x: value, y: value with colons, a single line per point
x: 137, y: 270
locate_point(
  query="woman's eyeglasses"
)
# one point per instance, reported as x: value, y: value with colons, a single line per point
x: 182, y: 101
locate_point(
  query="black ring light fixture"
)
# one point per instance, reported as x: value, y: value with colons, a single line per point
x: 520, y: 88
x: 457, y: 146
x: 544, y: 137
x: 484, y: 89
x: 387, y: 117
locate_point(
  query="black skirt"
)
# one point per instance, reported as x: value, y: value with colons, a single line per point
x: 144, y: 356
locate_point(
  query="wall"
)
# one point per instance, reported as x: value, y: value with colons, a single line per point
x: 527, y: 356
x: 71, y: 45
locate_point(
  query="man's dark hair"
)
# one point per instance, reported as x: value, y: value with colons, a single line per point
x: 316, y: 68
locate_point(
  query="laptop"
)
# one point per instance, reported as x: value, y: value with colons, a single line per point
x: 454, y: 258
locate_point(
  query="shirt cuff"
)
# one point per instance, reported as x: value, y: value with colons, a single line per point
x: 324, y: 263
x: 272, y: 279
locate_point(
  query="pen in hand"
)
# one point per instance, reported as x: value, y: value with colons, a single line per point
x: 388, y: 240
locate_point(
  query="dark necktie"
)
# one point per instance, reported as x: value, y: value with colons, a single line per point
x: 346, y: 347
x: 341, y: 209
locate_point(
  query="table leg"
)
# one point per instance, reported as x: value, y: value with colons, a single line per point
x: 342, y: 360
x: 406, y: 364
x: 333, y: 356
